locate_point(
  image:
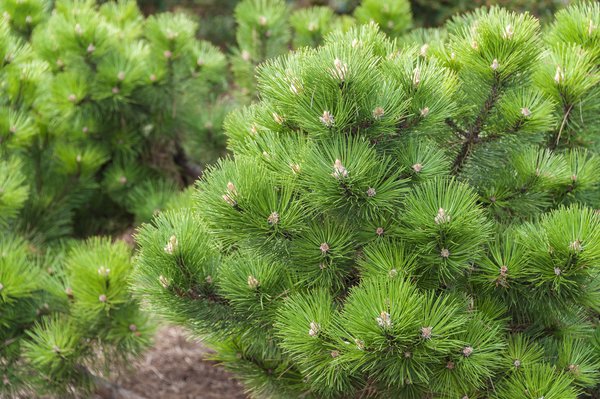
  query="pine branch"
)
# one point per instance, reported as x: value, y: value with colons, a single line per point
x: 472, y: 135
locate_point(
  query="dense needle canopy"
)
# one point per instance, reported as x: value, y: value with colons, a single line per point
x: 407, y: 218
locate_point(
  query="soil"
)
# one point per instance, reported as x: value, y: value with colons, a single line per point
x: 175, y: 368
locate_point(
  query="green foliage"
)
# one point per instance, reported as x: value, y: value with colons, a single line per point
x: 454, y: 236
x: 218, y: 23
x: 262, y: 29
x: 393, y: 16
x: 312, y: 24
x: 573, y: 63
x: 60, y: 309
x: 538, y: 380
x: 24, y: 16
x: 13, y: 190
x: 406, y: 218
x: 266, y: 26
x: 96, y: 100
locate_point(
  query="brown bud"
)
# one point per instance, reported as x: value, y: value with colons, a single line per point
x: 426, y: 332
x: 467, y: 351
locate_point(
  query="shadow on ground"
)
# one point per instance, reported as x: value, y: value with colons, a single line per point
x: 175, y: 368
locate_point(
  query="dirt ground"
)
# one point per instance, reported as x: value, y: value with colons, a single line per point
x: 175, y: 369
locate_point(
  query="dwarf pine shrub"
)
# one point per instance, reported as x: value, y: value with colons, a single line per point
x: 402, y: 219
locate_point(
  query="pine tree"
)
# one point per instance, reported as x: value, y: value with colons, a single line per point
x: 410, y: 218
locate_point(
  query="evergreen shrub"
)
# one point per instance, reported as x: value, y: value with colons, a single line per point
x: 410, y: 219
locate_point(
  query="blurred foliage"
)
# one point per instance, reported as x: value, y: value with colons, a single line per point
x: 434, y: 13
x: 219, y: 26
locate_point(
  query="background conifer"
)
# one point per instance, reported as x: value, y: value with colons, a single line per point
x: 96, y: 112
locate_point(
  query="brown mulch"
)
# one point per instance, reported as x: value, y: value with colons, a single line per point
x: 175, y: 368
